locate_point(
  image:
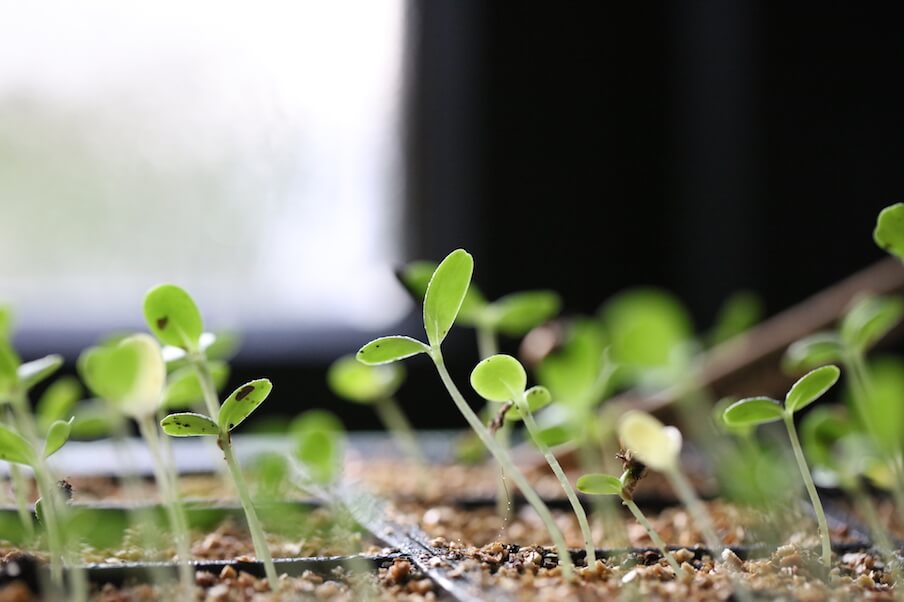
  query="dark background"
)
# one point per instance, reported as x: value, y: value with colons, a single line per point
x: 703, y: 147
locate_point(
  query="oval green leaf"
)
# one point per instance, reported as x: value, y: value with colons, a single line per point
x: 319, y: 444
x: 515, y: 314
x: 889, y: 232
x: 183, y: 389
x: 173, y: 316
x: 242, y: 402
x: 416, y: 276
x: 571, y: 372
x: 130, y: 374
x: 386, y: 350
x: 350, y: 379
x: 188, y: 424
x: 9, y: 366
x: 33, y: 372
x: 740, y: 312
x: 499, y: 378
x: 753, y: 411
x: 599, y: 484
x: 869, y: 320
x: 811, y: 387
x: 445, y: 294
x: 14, y: 448
x: 537, y: 398
x: 813, y: 351
x: 57, y: 401
x: 555, y: 435
x: 656, y: 445
x: 57, y: 436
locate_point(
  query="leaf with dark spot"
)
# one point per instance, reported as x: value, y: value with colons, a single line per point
x: 242, y: 402
x: 188, y: 424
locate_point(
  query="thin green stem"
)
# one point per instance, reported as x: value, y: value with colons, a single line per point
x: 395, y: 421
x: 811, y: 491
x: 235, y: 470
x: 254, y: 526
x: 503, y: 501
x: 20, y: 490
x: 692, y: 502
x: 657, y: 540
x: 487, y: 344
x: 502, y: 456
x: 534, y: 430
x: 174, y: 510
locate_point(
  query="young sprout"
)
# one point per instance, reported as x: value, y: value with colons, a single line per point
x: 659, y: 447
x: 442, y: 301
x: 762, y: 410
x: 130, y: 376
x: 175, y: 320
x: 868, y: 321
x: 376, y: 386
x: 889, y: 232
x: 605, y: 484
x: 501, y: 378
x: 319, y: 446
x: 21, y: 445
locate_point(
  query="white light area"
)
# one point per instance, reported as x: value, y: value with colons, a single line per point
x: 247, y: 151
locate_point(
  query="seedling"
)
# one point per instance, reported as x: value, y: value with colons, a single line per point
x: 761, y: 410
x: 889, y: 232
x: 175, y: 320
x: 130, y: 376
x: 659, y: 447
x: 443, y: 299
x: 605, y: 484
x: 21, y: 445
x: 501, y: 378
x: 879, y: 413
x: 319, y: 446
x: 376, y: 386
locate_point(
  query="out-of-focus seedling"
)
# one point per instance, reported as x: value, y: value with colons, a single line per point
x: 889, y: 232
x: 659, y: 447
x: 319, y: 438
x: 877, y: 410
x: 738, y: 314
x: 376, y: 386
x: 175, y: 320
x: 130, y: 376
x: 445, y: 293
x: 606, y: 484
x: 762, y: 410
x: 501, y: 378
x: 21, y: 445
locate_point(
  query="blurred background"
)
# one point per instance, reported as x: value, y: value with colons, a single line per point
x: 280, y: 160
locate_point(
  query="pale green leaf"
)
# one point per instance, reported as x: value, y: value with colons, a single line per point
x: 885, y: 403
x: 753, y: 411
x: 820, y: 430
x: 319, y: 444
x: 571, y: 372
x: 537, y: 398
x: 33, y: 372
x: 445, y: 294
x: 14, y: 448
x: 656, y: 445
x: 889, y: 232
x: 499, y: 378
x: 9, y: 365
x: 869, y: 320
x: 811, y: 387
x: 173, y: 317
x: 57, y: 401
x: 93, y: 420
x: 516, y: 314
x: 350, y: 379
x: 242, y: 402
x: 130, y: 374
x: 740, y: 312
x: 390, y: 349
x: 552, y: 436
x: 599, y: 484
x: 57, y: 436
x: 416, y: 276
x: 813, y: 351
x: 188, y: 424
